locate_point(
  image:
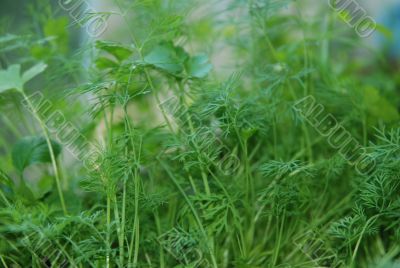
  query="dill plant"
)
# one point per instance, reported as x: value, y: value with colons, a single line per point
x: 166, y: 112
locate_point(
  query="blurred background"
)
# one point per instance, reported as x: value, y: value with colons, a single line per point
x: 49, y: 18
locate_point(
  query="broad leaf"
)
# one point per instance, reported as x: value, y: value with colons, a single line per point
x: 25, y: 192
x: 119, y: 51
x: 104, y: 63
x: 31, y: 150
x: 198, y: 66
x: 167, y: 57
x: 11, y: 78
x: 33, y: 71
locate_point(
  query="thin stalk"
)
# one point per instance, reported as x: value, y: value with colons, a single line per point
x: 191, y: 181
x: 189, y: 120
x: 353, y: 257
x: 136, y: 225
x: 118, y: 224
x: 234, y: 210
x: 365, y: 130
x: 278, y: 243
x: 31, y: 129
x: 108, y: 230
x: 123, y: 219
x: 4, y: 198
x: 108, y: 126
x: 135, y: 238
x: 275, y: 136
x: 158, y: 227
x: 3, y: 262
x: 306, y: 55
x: 249, y: 180
x: 194, y: 212
x: 305, y: 130
x: 52, y: 156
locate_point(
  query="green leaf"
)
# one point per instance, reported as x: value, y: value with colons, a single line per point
x: 33, y: 71
x: 25, y: 192
x: 43, y: 187
x: 11, y: 79
x: 119, y: 51
x: 31, y: 150
x: 167, y: 57
x: 104, y: 63
x: 198, y: 66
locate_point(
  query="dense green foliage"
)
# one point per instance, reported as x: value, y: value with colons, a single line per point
x: 201, y: 159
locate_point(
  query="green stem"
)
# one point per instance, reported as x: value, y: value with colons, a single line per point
x: 235, y: 212
x: 278, y: 244
x: 118, y: 224
x: 3, y: 262
x: 4, y: 198
x: 52, y: 156
x: 123, y: 219
x: 305, y: 130
x: 108, y: 230
x: 158, y: 227
x: 191, y: 127
x: 353, y: 257
x: 194, y: 212
x: 136, y: 225
x: 134, y: 248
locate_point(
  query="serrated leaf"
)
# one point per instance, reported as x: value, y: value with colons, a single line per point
x: 198, y: 66
x: 167, y: 57
x: 30, y: 150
